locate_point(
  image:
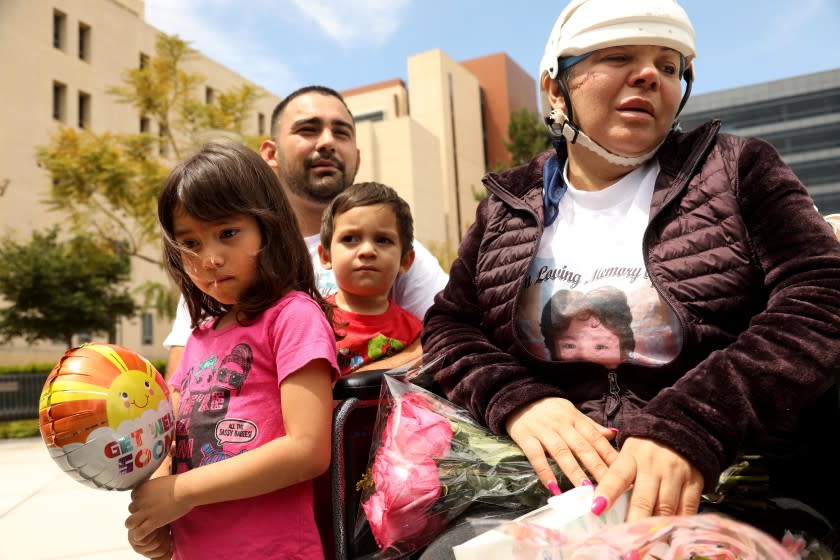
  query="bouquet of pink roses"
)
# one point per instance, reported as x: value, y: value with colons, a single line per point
x: 430, y: 460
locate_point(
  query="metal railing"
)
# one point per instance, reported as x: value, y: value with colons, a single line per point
x: 19, y: 394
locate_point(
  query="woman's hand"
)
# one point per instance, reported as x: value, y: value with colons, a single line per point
x: 153, y: 505
x: 156, y: 546
x: 575, y: 441
x: 663, y: 481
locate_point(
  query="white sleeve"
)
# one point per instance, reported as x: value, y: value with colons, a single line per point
x: 180, y: 327
x: 415, y: 290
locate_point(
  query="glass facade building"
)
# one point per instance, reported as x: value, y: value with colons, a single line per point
x: 800, y: 116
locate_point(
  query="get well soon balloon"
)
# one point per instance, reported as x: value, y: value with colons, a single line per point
x: 106, y: 416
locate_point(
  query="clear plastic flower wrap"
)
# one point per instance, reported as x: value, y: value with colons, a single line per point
x: 429, y: 461
x: 705, y: 536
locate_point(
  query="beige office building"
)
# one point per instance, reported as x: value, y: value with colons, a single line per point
x: 431, y: 139
x: 434, y: 138
x: 59, y: 59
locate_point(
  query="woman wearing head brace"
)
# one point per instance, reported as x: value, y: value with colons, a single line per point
x: 731, y: 275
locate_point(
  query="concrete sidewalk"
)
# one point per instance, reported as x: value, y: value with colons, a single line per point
x: 46, y: 515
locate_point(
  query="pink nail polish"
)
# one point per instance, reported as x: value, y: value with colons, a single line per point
x: 553, y: 488
x: 632, y: 555
x: 614, y: 430
x: 586, y: 482
x: 599, y: 504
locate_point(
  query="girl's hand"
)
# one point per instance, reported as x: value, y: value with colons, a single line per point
x: 153, y: 505
x: 663, y: 481
x: 575, y: 441
x: 157, y: 546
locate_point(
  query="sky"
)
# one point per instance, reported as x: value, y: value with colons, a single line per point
x: 285, y: 44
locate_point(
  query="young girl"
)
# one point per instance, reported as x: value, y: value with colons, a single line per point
x: 253, y: 390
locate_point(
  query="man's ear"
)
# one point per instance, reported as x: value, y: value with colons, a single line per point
x: 324, y: 255
x: 268, y: 151
x: 406, y: 261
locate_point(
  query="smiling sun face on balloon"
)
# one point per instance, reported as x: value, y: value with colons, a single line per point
x: 132, y: 393
x: 105, y: 415
x: 99, y: 385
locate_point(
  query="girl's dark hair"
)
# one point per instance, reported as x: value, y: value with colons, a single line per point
x: 224, y: 179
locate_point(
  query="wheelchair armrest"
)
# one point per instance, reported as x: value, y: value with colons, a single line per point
x: 364, y: 386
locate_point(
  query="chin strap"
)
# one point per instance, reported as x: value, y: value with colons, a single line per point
x: 559, y: 126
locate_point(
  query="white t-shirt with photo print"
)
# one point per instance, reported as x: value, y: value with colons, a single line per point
x: 589, y: 266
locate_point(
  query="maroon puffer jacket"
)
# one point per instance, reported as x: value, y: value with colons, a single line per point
x: 738, y: 250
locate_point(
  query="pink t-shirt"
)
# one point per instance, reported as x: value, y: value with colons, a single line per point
x: 230, y: 403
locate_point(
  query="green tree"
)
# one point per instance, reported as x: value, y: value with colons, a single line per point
x: 164, y: 91
x: 528, y: 137
x: 161, y: 89
x: 224, y: 117
x: 55, y: 289
x: 106, y: 183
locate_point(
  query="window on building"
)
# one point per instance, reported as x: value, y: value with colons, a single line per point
x: 813, y: 104
x: 827, y: 203
x: 817, y: 172
x: 260, y: 124
x: 144, y: 60
x: 209, y: 95
x: 162, y: 142
x: 819, y: 137
x: 59, y: 23
x: 485, y: 138
x: 373, y: 116
x: 84, y: 41
x: 144, y: 124
x: 84, y: 110
x: 770, y: 112
x: 147, y: 329
x: 59, y: 101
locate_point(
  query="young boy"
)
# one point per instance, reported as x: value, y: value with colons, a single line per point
x: 366, y: 240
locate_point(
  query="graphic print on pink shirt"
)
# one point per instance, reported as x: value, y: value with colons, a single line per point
x: 204, y: 411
